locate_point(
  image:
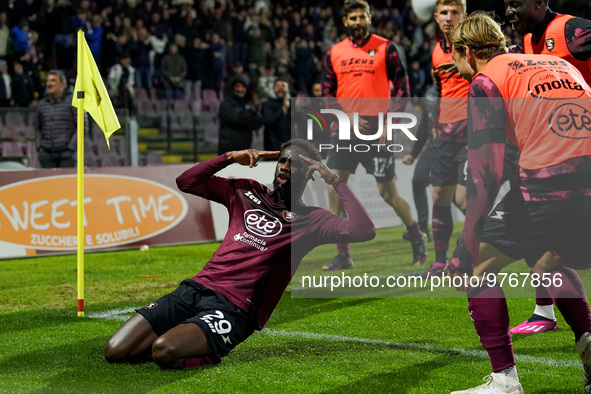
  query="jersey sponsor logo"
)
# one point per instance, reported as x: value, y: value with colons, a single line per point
x: 554, y: 85
x: 254, y: 198
x: 550, y: 44
x: 372, y: 52
x: 261, y: 223
x: 516, y: 65
x: 251, y: 240
x: 351, y: 61
x: 571, y: 121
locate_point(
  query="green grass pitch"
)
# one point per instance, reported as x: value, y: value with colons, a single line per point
x: 403, y: 343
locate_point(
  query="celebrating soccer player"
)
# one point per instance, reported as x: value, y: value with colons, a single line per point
x: 449, y: 147
x: 270, y: 231
x: 539, y: 103
x: 363, y: 66
x: 546, y: 32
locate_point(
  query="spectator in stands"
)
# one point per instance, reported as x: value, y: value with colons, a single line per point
x: 140, y: 49
x: 215, y: 61
x: 194, y: 54
x: 20, y: 38
x: 23, y: 87
x: 304, y: 66
x: 94, y: 38
x: 174, y: 70
x: 316, y: 103
x: 120, y: 82
x: 56, y: 138
x: 257, y: 54
x: 266, y: 82
x: 4, y: 35
x: 277, y: 116
x: 416, y: 79
x: 238, y: 116
x: 5, y: 85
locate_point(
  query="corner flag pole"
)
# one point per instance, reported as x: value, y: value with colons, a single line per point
x: 80, y: 180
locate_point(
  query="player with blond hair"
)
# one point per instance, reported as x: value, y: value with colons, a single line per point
x: 526, y: 99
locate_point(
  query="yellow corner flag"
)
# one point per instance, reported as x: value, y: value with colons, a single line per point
x: 91, y: 93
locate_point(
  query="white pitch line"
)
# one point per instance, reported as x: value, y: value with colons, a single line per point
x: 120, y: 314
x: 415, y: 346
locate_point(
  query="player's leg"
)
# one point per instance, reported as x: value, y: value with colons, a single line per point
x: 132, y: 342
x: 389, y: 192
x: 442, y: 221
x: 178, y: 344
x: 343, y: 259
x: 565, y: 286
x: 489, y: 313
x: 343, y: 163
x: 420, y: 181
x: 543, y: 318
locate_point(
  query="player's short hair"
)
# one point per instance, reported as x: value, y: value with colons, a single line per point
x: 60, y: 74
x: 305, y: 145
x: 351, y: 5
x: 481, y: 34
x: 461, y: 3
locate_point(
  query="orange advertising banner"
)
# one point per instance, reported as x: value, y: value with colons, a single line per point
x: 123, y: 207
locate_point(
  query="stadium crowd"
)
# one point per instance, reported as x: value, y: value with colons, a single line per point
x: 261, y: 39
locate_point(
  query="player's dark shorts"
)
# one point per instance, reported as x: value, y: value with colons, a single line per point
x: 448, y: 166
x: 528, y: 229
x: 378, y: 164
x: 223, y: 323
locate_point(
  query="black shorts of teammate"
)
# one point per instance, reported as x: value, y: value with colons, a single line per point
x: 378, y: 164
x: 223, y: 323
x: 448, y: 166
x: 527, y: 229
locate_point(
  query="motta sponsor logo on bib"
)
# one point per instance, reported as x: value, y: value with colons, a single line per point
x: 261, y: 223
x: 41, y: 213
x: 554, y: 85
x: 349, y: 135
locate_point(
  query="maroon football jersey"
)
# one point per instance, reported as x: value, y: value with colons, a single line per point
x: 253, y: 265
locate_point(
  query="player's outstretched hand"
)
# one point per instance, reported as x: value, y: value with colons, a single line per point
x: 325, y: 172
x: 447, y: 70
x: 250, y: 157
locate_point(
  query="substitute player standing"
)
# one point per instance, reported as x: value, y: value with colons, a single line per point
x: 539, y: 103
x: 363, y: 66
x: 270, y: 231
x: 569, y: 37
x: 449, y: 147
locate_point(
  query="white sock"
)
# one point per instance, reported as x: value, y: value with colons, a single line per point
x: 507, y: 378
x: 546, y: 311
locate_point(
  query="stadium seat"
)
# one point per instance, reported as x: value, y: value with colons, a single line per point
x: 11, y: 150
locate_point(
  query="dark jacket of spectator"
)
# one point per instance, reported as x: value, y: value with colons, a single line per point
x: 173, y: 65
x: 57, y: 123
x: 277, y: 123
x: 23, y: 90
x: 238, y: 118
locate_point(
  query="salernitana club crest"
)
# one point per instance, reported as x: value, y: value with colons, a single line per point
x: 550, y: 44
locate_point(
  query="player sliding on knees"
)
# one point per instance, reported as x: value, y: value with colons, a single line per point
x: 235, y: 293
